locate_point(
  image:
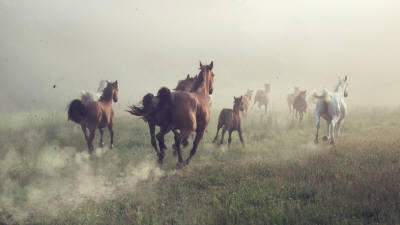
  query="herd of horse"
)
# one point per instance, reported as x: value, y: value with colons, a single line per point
x: 186, y: 110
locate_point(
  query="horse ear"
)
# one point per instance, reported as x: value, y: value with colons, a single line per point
x: 201, y: 65
x: 211, y: 65
x: 345, y: 78
x: 188, y: 76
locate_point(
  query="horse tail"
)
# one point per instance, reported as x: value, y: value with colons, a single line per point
x: 77, y: 111
x: 146, y: 108
x: 325, y: 95
x: 165, y: 96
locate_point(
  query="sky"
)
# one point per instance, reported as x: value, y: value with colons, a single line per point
x: 74, y: 44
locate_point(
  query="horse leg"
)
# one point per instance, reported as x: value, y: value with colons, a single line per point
x: 339, y: 125
x: 229, y: 138
x: 197, y: 139
x: 332, y: 130
x: 266, y: 108
x: 160, y: 138
x: 90, y: 139
x: 152, y: 129
x: 178, y: 142
x: 84, y: 132
x: 317, y: 123
x: 101, y: 137
x: 216, y: 135
x: 110, y: 129
x: 240, y: 136
x: 223, y: 135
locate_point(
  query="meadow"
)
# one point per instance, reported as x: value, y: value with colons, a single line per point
x: 280, y: 177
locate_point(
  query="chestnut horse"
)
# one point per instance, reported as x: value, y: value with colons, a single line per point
x: 300, y: 105
x: 229, y: 120
x: 95, y: 115
x: 149, y: 105
x: 189, y: 112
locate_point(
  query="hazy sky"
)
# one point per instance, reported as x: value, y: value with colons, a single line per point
x: 147, y: 44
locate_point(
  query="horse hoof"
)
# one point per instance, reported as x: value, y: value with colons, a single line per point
x: 179, y: 165
x: 316, y: 141
x: 332, y: 142
x: 325, y: 138
x: 101, y: 145
x: 111, y: 146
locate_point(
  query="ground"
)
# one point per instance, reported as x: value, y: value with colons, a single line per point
x: 280, y: 177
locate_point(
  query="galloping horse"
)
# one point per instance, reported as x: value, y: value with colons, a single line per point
x: 229, y: 120
x: 291, y: 97
x: 95, y: 114
x: 331, y: 106
x: 246, y: 102
x: 147, y: 111
x: 262, y: 97
x: 189, y: 111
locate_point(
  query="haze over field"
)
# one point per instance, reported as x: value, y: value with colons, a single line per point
x: 147, y: 44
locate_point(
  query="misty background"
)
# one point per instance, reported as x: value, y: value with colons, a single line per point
x: 148, y: 44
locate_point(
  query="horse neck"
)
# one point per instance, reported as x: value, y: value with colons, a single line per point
x: 108, y: 99
x: 340, y: 89
x: 236, y: 109
x: 203, y: 89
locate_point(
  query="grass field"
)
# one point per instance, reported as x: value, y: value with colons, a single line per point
x: 280, y: 177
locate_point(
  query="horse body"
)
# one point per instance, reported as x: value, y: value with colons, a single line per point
x: 95, y: 114
x: 332, y: 107
x: 246, y: 102
x: 291, y: 97
x: 229, y: 120
x: 300, y: 105
x: 262, y: 97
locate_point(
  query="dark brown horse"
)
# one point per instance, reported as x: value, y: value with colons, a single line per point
x: 262, y: 97
x: 152, y: 104
x: 229, y: 120
x: 95, y: 115
x: 190, y: 112
x: 300, y: 105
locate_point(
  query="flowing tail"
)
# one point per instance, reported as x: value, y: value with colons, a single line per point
x: 77, y: 111
x: 325, y: 95
x: 151, y: 103
x: 145, y: 109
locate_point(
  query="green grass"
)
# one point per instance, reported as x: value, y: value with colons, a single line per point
x: 280, y: 177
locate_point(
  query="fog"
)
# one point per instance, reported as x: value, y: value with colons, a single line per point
x: 148, y: 44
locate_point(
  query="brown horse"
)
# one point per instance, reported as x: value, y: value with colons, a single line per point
x: 229, y: 120
x: 150, y: 104
x: 95, y: 115
x: 190, y: 112
x: 246, y: 102
x: 300, y: 105
x: 262, y: 97
x: 291, y: 97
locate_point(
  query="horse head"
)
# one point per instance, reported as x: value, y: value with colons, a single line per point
x: 208, y: 75
x: 238, y: 103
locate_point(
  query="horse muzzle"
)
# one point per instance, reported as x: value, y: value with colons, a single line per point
x: 211, y: 91
x: 345, y: 94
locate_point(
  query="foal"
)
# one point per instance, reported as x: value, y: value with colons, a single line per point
x: 229, y: 119
x: 300, y: 105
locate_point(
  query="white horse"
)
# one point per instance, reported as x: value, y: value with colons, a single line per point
x: 87, y: 96
x: 331, y: 106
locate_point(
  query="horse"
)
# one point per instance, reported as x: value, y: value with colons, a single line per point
x: 95, y: 115
x: 300, y: 105
x: 87, y: 96
x: 332, y: 107
x: 291, y: 97
x: 229, y: 120
x: 148, y: 107
x: 189, y: 112
x: 246, y: 102
x: 262, y: 97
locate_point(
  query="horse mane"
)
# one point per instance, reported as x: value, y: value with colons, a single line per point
x: 107, y: 93
x: 185, y: 83
x: 199, y: 80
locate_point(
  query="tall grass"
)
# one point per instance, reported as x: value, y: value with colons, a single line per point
x: 280, y: 177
